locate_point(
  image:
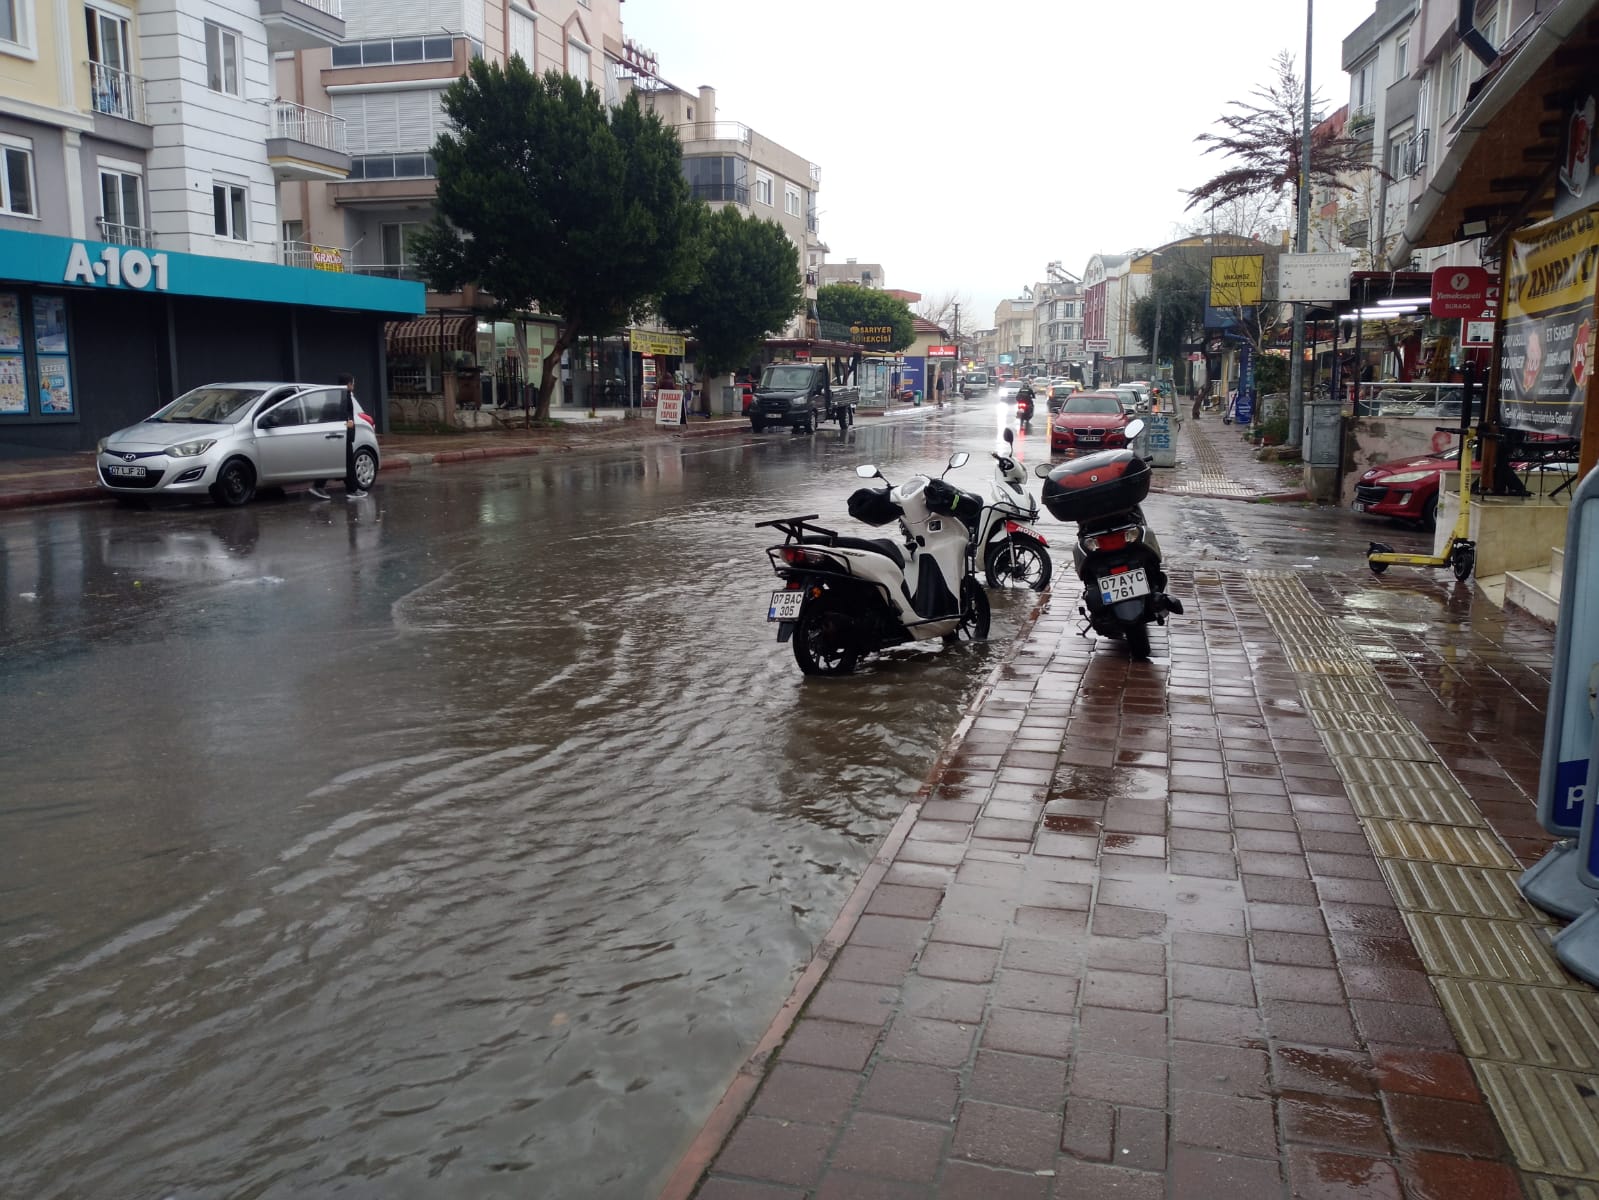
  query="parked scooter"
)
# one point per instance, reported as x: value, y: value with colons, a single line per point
x: 845, y: 597
x: 1117, y: 555
x: 1014, y: 554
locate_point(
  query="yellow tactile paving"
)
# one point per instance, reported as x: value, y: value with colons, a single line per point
x: 1468, y: 948
x: 1440, y: 806
x: 1455, y: 844
x: 1551, y: 1118
x: 1535, y: 1026
x: 1457, y: 891
x: 1532, y: 1034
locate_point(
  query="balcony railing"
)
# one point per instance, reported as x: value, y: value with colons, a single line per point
x: 392, y: 166
x: 314, y: 257
x: 738, y: 193
x: 125, y: 235
x: 333, y: 8
x: 117, y: 93
x: 388, y: 270
x: 714, y: 131
x: 308, y: 125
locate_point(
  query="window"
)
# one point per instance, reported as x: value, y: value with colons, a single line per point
x: 1451, y: 95
x: 122, y: 207
x: 791, y: 200
x: 1401, y: 58
x: 394, y: 242
x: 294, y: 231
x: 521, y: 40
x: 763, y: 188
x: 16, y: 181
x: 577, y: 62
x: 221, y: 59
x: 228, y: 212
x: 16, y: 28
x: 384, y: 51
x: 1360, y: 90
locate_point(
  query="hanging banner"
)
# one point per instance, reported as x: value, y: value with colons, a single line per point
x: 1548, y: 341
x: 648, y: 341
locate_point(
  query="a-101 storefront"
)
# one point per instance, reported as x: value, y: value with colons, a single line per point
x: 95, y: 336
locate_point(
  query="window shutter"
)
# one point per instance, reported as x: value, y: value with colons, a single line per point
x: 522, y: 38
x: 382, y: 122
x: 353, y: 111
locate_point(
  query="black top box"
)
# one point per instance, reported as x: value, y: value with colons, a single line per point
x: 1096, y: 485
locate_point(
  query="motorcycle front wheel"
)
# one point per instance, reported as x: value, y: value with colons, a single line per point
x: 820, y: 640
x: 1018, y: 561
x: 973, y: 626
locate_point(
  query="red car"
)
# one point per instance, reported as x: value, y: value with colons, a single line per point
x: 1086, y: 422
x: 1407, y: 488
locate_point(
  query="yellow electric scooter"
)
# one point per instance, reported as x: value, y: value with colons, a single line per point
x: 1459, y: 552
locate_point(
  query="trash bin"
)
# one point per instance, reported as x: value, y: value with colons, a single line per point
x: 731, y: 399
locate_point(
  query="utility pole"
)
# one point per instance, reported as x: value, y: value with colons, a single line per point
x: 1296, y: 366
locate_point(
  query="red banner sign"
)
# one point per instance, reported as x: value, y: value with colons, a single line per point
x: 1461, y: 292
x: 941, y: 352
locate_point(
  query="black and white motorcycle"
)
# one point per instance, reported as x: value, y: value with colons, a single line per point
x: 1014, y: 554
x: 846, y: 597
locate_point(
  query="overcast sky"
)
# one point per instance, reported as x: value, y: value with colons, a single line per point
x: 966, y: 145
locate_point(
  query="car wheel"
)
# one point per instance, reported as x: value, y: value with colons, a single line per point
x: 366, y: 467
x: 235, y: 483
x: 757, y: 426
x: 1429, y: 515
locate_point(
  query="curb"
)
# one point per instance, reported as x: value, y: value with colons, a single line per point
x: 725, y: 1116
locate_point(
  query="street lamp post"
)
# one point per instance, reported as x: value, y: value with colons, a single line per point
x: 1296, y: 368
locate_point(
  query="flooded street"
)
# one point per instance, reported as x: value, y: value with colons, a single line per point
x: 460, y: 841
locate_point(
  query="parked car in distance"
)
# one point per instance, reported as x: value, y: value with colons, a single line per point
x: 976, y: 383
x: 226, y: 440
x: 1134, y: 399
x: 1089, y: 421
x: 1059, y: 391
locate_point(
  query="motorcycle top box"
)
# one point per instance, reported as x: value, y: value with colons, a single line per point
x: 1096, y: 485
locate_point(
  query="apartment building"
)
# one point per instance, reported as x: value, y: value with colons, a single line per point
x: 144, y: 151
x: 1013, y: 337
x: 1106, y: 303
x: 1058, y: 318
x: 729, y: 163
x: 869, y: 275
x: 1382, y: 59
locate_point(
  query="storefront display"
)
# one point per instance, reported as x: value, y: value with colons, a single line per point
x: 36, y: 370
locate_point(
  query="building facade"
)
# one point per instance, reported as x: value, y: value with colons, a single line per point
x: 1013, y: 332
x: 140, y: 251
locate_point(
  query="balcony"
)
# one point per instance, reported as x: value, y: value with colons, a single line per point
x: 733, y: 193
x: 302, y: 24
x: 117, y: 93
x: 306, y: 144
x: 406, y: 271
x: 698, y: 132
x: 125, y: 235
x: 314, y: 258
x: 1360, y: 124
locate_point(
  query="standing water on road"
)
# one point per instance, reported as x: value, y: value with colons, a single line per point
x: 460, y: 842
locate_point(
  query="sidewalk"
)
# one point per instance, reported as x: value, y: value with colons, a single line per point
x: 1238, y: 922
x: 1214, y: 461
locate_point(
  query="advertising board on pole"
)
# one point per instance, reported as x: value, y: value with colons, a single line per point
x: 1548, y: 339
x: 1314, y: 277
x: 1562, y: 882
x: 1236, y: 279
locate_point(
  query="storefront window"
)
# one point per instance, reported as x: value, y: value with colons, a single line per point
x: 35, y: 367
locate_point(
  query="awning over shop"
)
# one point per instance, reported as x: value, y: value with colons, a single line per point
x: 432, y: 335
x: 816, y: 346
x: 1499, y: 169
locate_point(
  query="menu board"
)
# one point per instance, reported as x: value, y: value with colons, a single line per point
x: 13, y: 384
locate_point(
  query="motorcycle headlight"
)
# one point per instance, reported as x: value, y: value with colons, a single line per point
x: 190, y: 449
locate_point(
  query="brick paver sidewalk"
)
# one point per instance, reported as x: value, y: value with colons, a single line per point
x: 1214, y: 460
x: 1141, y: 937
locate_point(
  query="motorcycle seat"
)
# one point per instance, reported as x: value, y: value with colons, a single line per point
x: 875, y: 545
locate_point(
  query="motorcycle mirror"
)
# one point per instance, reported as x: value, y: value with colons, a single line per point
x: 1010, y: 435
x: 1042, y: 470
x: 866, y: 472
x: 958, y: 459
x: 1134, y: 428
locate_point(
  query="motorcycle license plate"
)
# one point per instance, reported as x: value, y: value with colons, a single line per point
x: 785, y: 606
x: 1129, y: 585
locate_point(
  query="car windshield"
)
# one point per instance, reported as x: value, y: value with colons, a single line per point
x: 209, y: 406
x: 785, y: 378
x: 1101, y: 405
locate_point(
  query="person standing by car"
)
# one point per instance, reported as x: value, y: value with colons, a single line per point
x: 352, y: 487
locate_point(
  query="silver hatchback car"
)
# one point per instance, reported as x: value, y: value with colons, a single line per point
x: 227, y: 439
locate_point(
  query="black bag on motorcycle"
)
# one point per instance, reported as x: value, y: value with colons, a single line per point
x: 873, y: 507
x: 947, y: 500
x: 1096, y: 485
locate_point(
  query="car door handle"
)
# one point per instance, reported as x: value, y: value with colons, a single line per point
x: 328, y: 437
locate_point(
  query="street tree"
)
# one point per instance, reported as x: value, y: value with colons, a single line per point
x: 548, y: 197
x: 1175, y: 305
x: 1261, y: 141
x: 944, y: 310
x: 747, y: 285
x: 851, y: 304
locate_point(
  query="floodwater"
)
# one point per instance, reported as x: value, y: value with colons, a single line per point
x: 461, y: 841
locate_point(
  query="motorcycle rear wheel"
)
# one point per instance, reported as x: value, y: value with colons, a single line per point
x: 819, y: 641
x: 973, y: 625
x: 1138, y: 641
x: 1018, y: 561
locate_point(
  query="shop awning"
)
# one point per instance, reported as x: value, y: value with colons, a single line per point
x: 432, y: 335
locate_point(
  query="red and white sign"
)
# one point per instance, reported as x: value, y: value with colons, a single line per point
x: 942, y: 352
x: 670, y: 410
x: 1579, y: 354
x: 1462, y: 292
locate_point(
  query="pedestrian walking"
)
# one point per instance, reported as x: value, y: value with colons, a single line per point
x: 1199, y: 399
x: 940, y: 389
x: 352, y: 486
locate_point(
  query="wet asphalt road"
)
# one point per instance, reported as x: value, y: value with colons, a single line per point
x: 459, y: 841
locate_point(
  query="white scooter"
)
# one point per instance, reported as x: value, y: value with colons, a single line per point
x: 1014, y: 554
x: 844, y: 597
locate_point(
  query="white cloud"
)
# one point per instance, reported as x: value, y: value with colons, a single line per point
x: 964, y: 146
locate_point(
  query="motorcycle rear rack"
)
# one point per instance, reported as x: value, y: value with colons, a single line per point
x: 795, y: 528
